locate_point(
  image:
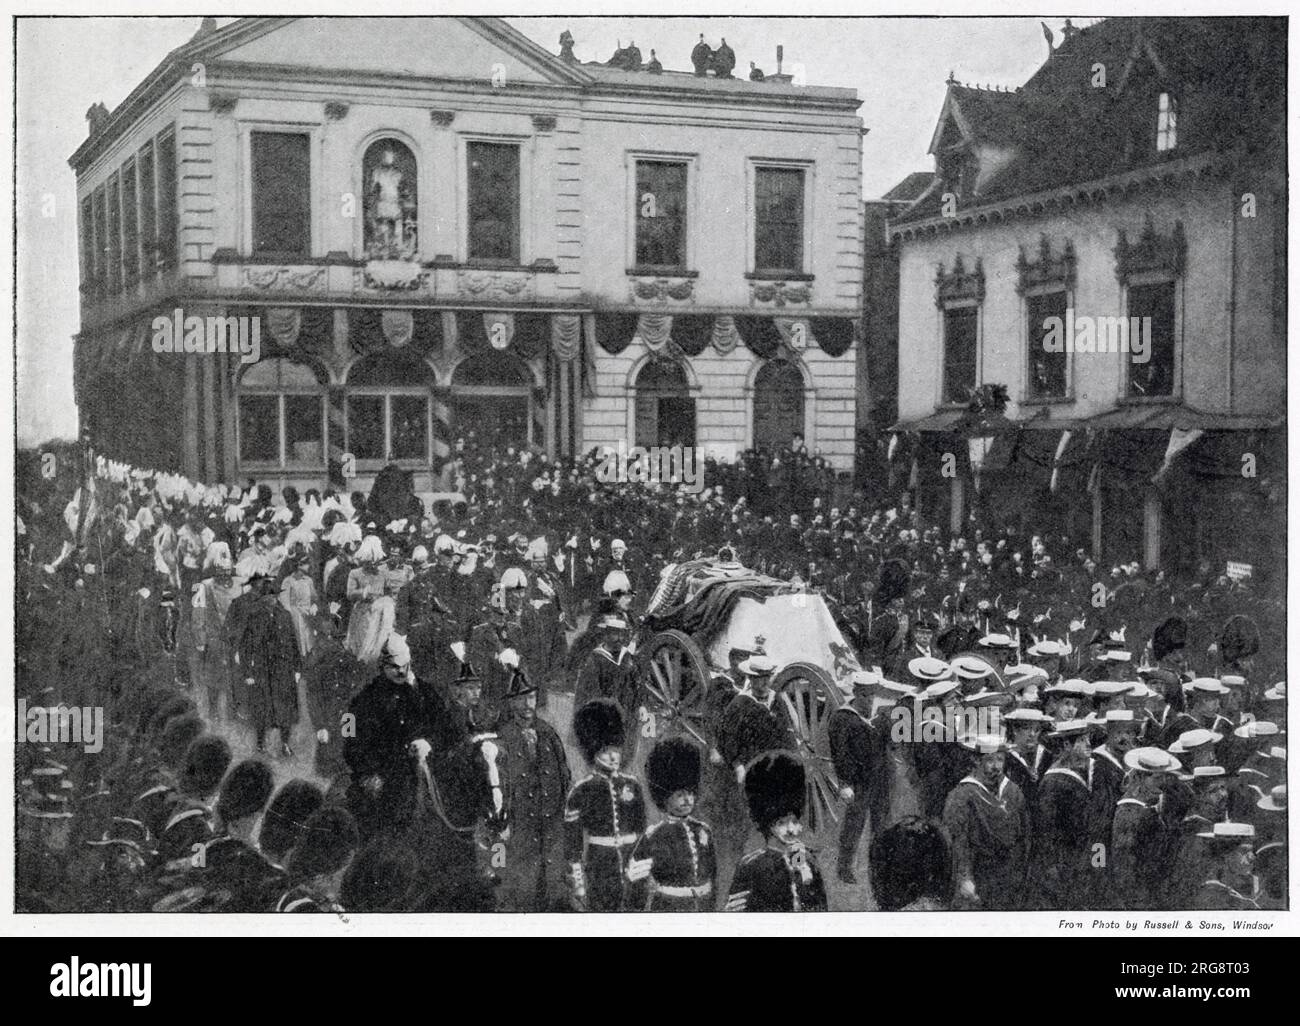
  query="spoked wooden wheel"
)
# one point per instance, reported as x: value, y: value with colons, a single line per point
x: 678, y: 683
x: 809, y: 695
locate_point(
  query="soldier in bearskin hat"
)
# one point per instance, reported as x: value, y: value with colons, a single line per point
x: 680, y: 848
x: 604, y: 816
x: 1168, y: 643
x: 781, y: 876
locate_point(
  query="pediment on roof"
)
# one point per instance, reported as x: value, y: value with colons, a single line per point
x: 475, y: 49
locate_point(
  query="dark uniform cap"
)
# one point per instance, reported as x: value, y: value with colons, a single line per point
x: 673, y: 765
x: 775, y: 787
x: 597, y: 725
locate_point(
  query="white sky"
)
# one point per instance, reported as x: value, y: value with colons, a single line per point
x: 897, y: 65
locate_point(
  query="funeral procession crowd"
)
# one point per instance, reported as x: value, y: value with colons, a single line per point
x: 349, y: 702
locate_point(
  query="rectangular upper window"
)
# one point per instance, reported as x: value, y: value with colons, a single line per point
x: 1151, y: 355
x: 1167, y: 123
x: 113, y: 243
x: 960, y: 342
x: 281, y: 164
x: 1048, y: 358
x: 778, y: 219
x: 148, y: 213
x: 168, y: 224
x: 88, y: 245
x: 660, y: 214
x: 130, y: 226
x: 493, y: 201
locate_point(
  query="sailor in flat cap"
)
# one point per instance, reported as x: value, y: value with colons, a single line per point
x: 1232, y: 884
x: 986, y: 818
x: 1106, y: 772
x: 1061, y: 854
x: 1026, y: 754
x: 859, y: 733
x: 1139, y: 843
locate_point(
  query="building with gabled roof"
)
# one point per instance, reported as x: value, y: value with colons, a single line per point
x: 1139, y: 173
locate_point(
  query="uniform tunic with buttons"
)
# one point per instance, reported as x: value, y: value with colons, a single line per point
x: 685, y: 870
x: 778, y: 881
x: 604, y: 817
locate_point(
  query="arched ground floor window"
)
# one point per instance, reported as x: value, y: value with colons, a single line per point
x: 281, y: 422
x: 665, y: 409
x: 388, y: 409
x: 778, y: 405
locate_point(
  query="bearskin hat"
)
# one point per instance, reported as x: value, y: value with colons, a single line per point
x: 597, y: 725
x: 177, y: 736
x: 892, y: 581
x: 328, y: 842
x: 673, y: 765
x: 775, y: 787
x: 1239, y: 639
x: 1169, y: 637
x: 285, y: 817
x: 246, y: 791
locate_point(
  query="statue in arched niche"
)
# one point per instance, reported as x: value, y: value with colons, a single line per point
x: 391, y: 209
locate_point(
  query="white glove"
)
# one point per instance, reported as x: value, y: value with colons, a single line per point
x: 737, y: 902
x: 420, y: 748
x: 846, y: 793
x: 509, y: 657
x: 323, y: 736
x: 715, y: 757
x: 639, y: 869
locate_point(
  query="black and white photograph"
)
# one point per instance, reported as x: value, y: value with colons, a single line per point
x: 534, y: 472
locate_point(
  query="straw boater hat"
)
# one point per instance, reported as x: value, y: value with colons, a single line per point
x: 1190, y: 740
x: 1151, y: 760
x: 929, y: 669
x: 1258, y: 728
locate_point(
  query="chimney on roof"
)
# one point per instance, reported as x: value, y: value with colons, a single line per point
x: 206, y: 27
x: 780, y: 76
x: 97, y: 116
x: 1068, y: 32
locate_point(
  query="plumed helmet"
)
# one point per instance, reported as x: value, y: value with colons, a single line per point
x: 218, y: 556
x: 616, y: 581
x: 673, y: 765
x: 597, y: 725
x: 775, y: 787
x: 1169, y: 637
x: 371, y: 550
x: 513, y: 579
